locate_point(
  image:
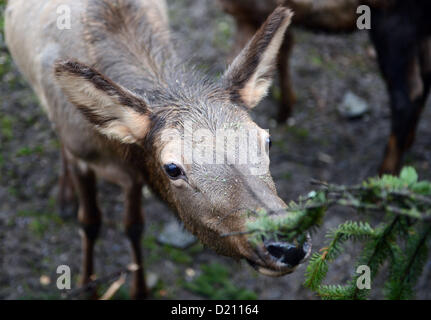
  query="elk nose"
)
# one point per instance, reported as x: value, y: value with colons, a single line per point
x: 287, y: 253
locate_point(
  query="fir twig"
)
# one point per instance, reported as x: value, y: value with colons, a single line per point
x: 404, y: 204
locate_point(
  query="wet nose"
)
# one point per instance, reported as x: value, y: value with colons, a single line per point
x: 287, y: 253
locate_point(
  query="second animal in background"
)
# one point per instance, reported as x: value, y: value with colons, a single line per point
x: 400, y: 32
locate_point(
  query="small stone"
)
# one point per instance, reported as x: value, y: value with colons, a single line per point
x: 151, y: 279
x: 352, y: 106
x: 371, y: 52
x: 133, y: 267
x: 45, y: 280
x: 325, y: 158
x: 291, y: 121
x: 146, y: 192
x: 174, y: 234
x: 190, y: 273
x: 312, y: 194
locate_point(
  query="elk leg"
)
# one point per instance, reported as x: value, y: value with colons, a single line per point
x: 66, y: 194
x: 398, y: 61
x: 424, y: 72
x: 134, y: 226
x: 425, y: 62
x: 288, y: 97
x: 89, y: 217
x: 405, y: 122
x: 419, y: 83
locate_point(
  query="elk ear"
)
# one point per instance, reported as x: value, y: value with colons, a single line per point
x: 113, y: 110
x: 250, y: 74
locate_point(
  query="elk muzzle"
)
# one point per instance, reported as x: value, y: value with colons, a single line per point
x: 277, y: 258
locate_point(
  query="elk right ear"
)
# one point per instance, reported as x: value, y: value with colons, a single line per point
x: 250, y: 74
x: 113, y: 110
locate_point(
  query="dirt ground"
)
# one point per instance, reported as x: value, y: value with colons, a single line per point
x: 316, y: 143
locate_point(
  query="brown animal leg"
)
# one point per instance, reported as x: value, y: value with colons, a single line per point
x: 134, y: 225
x: 89, y: 217
x: 288, y: 97
x: 419, y: 83
x: 67, y: 201
x: 392, y: 157
x: 404, y: 123
x: 423, y: 72
x: 399, y: 56
x: 406, y: 105
x: 404, y: 127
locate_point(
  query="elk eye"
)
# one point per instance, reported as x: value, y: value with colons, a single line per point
x: 173, y: 171
x: 268, y: 142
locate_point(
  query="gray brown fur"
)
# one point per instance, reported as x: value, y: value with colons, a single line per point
x: 118, y: 83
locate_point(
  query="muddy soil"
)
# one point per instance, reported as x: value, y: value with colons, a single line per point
x: 316, y: 143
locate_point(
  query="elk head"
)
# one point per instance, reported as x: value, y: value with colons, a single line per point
x: 182, y: 128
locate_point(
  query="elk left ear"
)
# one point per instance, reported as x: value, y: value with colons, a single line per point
x: 250, y: 74
x: 114, y: 111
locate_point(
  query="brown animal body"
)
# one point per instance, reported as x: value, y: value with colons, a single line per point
x: 115, y: 89
x: 400, y: 32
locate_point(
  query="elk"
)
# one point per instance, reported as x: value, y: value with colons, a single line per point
x: 400, y: 33
x: 113, y: 86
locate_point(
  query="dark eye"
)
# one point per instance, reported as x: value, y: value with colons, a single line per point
x: 173, y: 170
x: 268, y: 142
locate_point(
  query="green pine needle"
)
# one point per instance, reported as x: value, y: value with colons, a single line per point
x: 403, y: 205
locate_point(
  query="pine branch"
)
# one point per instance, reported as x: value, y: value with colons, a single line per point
x: 316, y: 271
x: 403, y: 203
x: 317, y: 268
x: 406, y: 275
x: 378, y: 254
x: 333, y: 292
x: 413, y: 257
